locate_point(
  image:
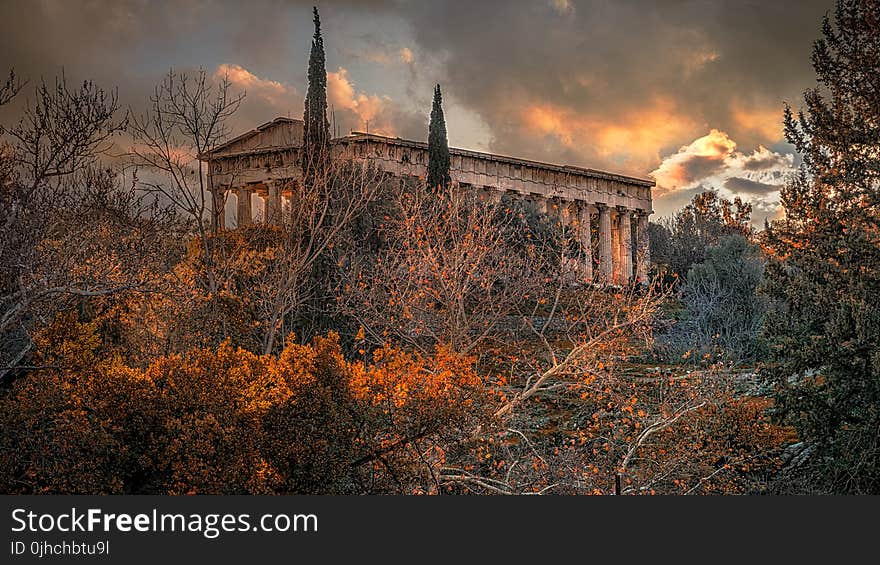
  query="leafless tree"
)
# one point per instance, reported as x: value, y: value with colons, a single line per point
x: 187, y: 117
x: 321, y: 211
x: 579, y: 415
x: 449, y: 273
x: 10, y: 88
x: 64, y: 131
x: 70, y: 231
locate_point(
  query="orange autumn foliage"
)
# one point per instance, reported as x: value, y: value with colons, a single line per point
x: 224, y: 420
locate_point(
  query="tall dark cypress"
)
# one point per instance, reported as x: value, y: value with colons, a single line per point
x: 316, y: 131
x: 438, y: 147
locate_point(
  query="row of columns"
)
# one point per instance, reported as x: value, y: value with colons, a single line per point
x: 615, y: 249
x: 270, y: 193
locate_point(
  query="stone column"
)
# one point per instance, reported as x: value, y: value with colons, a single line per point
x: 260, y: 212
x: 285, y: 207
x: 584, y: 238
x: 540, y: 204
x: 568, y: 264
x: 245, y: 215
x: 273, y: 203
x: 606, y: 265
x: 643, y: 248
x: 625, y: 225
x: 616, y: 273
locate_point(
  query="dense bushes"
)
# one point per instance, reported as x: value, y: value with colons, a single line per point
x: 680, y: 242
x: 226, y: 420
x: 722, y: 310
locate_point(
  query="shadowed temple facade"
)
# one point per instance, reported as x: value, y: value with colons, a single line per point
x: 259, y: 171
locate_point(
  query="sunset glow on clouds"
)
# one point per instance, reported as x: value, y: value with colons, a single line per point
x: 712, y: 162
x: 693, y: 96
x: 764, y: 122
x: 702, y: 157
x: 709, y: 162
x: 354, y: 110
x: 631, y: 140
x: 368, y: 109
x: 273, y: 92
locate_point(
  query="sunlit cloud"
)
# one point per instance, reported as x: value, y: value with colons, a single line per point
x: 766, y: 123
x: 712, y: 162
x: 630, y: 139
x: 699, y: 159
x: 275, y: 93
x: 368, y: 110
x: 562, y: 7
x: 406, y: 55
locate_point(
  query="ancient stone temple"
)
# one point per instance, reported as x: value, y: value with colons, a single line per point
x: 609, y: 212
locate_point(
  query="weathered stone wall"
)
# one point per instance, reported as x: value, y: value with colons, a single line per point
x: 401, y: 157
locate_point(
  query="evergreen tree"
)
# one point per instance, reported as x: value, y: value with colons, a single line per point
x: 438, y: 147
x: 825, y: 271
x: 682, y: 241
x: 316, y: 131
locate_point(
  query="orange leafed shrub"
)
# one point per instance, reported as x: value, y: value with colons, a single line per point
x: 402, y: 379
x: 224, y: 420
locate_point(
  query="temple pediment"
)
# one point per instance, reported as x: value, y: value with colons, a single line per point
x: 277, y: 134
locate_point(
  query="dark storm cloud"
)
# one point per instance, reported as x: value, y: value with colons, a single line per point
x: 763, y: 162
x: 130, y: 44
x: 700, y: 166
x: 613, y: 84
x: 746, y: 186
x: 616, y: 64
x: 93, y: 40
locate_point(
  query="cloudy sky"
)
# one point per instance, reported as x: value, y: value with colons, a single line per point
x: 689, y: 92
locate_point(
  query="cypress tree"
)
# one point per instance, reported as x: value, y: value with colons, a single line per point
x: 825, y: 272
x: 438, y: 147
x: 316, y: 130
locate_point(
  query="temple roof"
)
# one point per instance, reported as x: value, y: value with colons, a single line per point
x: 286, y: 133
x: 356, y: 136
